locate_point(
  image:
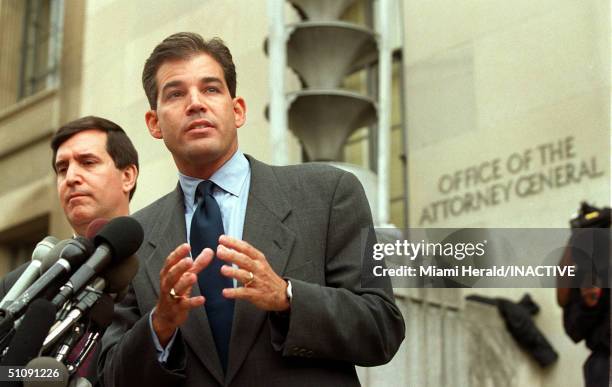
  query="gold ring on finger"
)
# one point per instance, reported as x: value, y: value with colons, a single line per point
x: 173, y: 294
x: 251, y: 278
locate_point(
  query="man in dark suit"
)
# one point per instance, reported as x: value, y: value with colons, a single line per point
x: 274, y: 293
x: 96, y: 166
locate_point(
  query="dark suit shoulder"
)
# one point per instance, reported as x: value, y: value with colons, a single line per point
x: 155, y: 210
x: 311, y: 177
x: 307, y: 186
x: 308, y: 169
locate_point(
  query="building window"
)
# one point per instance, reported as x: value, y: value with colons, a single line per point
x: 41, y: 47
x: 30, y: 37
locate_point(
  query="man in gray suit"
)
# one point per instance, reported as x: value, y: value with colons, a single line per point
x: 274, y: 294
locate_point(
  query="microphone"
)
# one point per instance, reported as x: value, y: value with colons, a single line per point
x: 70, y: 340
x: 41, y: 261
x: 7, y: 331
x: 29, y: 337
x: 72, y: 252
x: 54, y: 366
x: 117, y: 240
x: 85, y: 300
x: 114, y: 280
x: 79, y: 382
x: 101, y: 317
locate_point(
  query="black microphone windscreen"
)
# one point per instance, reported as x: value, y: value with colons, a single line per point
x: 120, y: 275
x: 124, y: 235
x: 30, y: 336
x: 94, y: 227
x: 51, y: 364
x: 101, y: 314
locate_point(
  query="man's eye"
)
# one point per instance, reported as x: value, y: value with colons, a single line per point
x: 211, y: 90
x: 174, y: 94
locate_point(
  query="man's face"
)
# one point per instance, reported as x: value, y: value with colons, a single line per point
x: 89, y: 184
x: 196, y: 116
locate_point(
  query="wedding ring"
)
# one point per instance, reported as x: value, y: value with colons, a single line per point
x: 173, y: 295
x: 251, y: 278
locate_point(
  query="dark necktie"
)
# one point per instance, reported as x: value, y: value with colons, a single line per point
x: 206, y: 227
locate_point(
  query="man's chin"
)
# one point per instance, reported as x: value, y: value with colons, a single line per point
x: 204, y: 153
x: 209, y: 149
x: 79, y: 220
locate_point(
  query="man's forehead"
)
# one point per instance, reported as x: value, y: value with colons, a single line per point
x: 90, y: 141
x: 201, y: 66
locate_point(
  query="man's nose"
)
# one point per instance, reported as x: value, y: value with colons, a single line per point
x: 196, y: 103
x: 73, y: 175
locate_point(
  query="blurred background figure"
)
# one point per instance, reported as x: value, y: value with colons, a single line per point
x: 586, y: 301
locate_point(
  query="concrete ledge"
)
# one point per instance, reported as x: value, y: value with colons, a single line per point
x: 27, y: 202
x: 28, y: 121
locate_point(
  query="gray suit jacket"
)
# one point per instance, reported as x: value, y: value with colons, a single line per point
x: 308, y: 220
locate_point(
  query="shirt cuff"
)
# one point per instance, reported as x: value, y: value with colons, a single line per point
x: 162, y: 353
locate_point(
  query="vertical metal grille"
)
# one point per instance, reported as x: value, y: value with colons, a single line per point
x: 11, y: 28
x: 41, y: 47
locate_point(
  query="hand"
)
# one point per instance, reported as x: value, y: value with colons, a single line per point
x: 179, y: 273
x: 265, y: 289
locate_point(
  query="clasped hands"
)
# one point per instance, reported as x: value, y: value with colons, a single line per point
x: 262, y: 286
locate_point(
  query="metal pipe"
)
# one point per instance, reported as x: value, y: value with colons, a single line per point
x: 277, y: 111
x: 384, y: 111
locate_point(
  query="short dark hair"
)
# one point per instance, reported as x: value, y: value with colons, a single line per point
x: 118, y: 144
x: 184, y: 45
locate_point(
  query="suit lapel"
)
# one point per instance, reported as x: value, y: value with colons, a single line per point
x: 164, y: 238
x: 267, y: 208
x: 165, y: 235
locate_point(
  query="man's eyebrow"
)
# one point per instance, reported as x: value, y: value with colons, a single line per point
x: 171, y: 84
x: 59, y: 163
x: 87, y: 155
x: 177, y: 83
x: 211, y: 80
x: 62, y: 161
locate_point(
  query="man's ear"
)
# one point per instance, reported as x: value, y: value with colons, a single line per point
x: 129, y: 175
x: 239, y: 111
x: 153, y: 124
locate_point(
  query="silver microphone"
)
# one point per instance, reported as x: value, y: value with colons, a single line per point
x: 41, y: 261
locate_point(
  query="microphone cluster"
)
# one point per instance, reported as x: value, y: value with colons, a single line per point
x: 55, y: 314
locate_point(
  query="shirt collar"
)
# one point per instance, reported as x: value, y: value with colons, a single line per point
x: 230, y: 178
